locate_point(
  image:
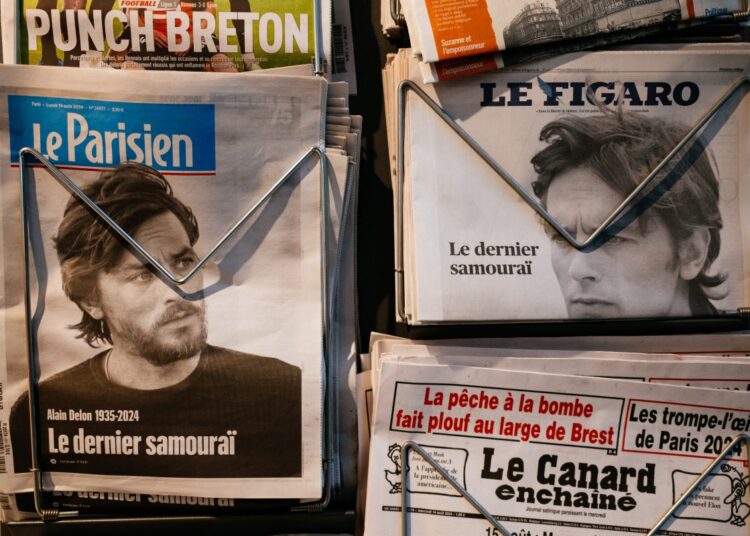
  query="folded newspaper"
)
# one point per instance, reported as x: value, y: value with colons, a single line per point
x: 568, y: 455
x: 577, y: 135
x: 212, y: 388
x: 448, y: 29
x: 697, y: 368
x: 692, y: 31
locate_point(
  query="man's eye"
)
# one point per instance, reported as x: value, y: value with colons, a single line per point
x: 616, y: 241
x: 185, y: 262
x: 557, y: 239
x: 143, y: 275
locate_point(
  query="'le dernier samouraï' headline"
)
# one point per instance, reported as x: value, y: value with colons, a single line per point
x: 92, y: 31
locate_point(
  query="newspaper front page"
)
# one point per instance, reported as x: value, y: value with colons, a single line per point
x: 558, y: 454
x: 578, y: 134
x: 146, y: 387
x: 183, y: 35
x: 688, y: 371
x: 448, y: 29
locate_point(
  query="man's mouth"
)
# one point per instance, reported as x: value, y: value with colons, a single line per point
x: 590, y: 300
x: 590, y: 306
x: 177, y: 316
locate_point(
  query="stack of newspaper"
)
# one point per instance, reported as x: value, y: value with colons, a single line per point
x: 459, y: 37
x: 556, y: 441
x: 592, y: 185
x: 186, y: 300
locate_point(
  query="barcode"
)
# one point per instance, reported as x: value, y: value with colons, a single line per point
x: 338, y: 33
x: 3, y: 452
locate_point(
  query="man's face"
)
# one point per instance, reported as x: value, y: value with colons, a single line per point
x: 144, y: 315
x: 633, y: 274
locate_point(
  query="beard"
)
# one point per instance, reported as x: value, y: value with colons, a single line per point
x: 160, y: 348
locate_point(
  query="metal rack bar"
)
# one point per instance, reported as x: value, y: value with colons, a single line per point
x: 407, y: 447
x: 319, y: 63
x: 741, y: 437
x: 396, y: 13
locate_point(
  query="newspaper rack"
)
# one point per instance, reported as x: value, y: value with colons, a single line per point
x: 26, y: 157
x: 631, y: 206
x: 408, y: 446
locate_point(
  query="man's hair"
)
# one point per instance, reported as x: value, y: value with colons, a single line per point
x: 622, y: 148
x: 131, y: 194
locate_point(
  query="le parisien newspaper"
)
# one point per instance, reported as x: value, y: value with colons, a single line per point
x: 578, y: 133
x: 449, y: 29
x: 552, y: 454
x: 213, y: 388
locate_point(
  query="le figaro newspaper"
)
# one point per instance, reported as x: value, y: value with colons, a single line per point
x: 188, y: 35
x: 147, y: 387
x: 554, y: 455
x: 579, y: 133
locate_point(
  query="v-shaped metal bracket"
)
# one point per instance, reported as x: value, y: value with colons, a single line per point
x: 680, y: 502
x: 409, y: 446
x: 604, y: 228
x: 26, y: 157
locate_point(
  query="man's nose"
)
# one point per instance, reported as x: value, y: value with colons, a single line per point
x: 192, y: 287
x: 584, y: 266
x: 164, y: 290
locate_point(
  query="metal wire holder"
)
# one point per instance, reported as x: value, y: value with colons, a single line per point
x: 318, y: 60
x: 26, y: 157
x: 396, y: 13
x: 605, y: 228
x: 409, y: 446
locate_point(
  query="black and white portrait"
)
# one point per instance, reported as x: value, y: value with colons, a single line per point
x: 153, y: 396
x: 661, y: 264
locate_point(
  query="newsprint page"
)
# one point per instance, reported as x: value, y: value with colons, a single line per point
x: 552, y: 455
x: 579, y: 133
x: 212, y: 388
